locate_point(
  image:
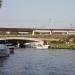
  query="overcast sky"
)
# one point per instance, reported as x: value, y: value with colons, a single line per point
x: 38, y: 13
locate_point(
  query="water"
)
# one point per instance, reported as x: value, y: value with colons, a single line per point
x: 39, y: 62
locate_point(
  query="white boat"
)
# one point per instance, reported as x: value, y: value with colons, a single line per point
x: 40, y: 45
x: 4, y: 51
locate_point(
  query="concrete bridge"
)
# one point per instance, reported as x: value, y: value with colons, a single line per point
x: 33, y: 34
x: 20, y: 41
x: 36, y: 31
x: 19, y: 38
x: 23, y: 37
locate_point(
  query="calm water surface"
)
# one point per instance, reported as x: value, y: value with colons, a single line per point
x: 39, y: 62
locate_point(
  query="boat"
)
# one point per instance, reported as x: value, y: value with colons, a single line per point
x: 4, y: 50
x: 40, y: 45
x: 11, y: 47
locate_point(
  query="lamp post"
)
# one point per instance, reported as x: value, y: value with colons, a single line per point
x: 71, y: 26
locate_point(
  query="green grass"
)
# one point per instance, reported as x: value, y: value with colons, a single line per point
x: 61, y: 45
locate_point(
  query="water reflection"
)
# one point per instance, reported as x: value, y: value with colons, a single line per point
x: 2, y: 61
x: 39, y: 62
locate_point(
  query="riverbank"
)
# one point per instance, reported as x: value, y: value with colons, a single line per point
x: 61, y: 45
x: 63, y: 48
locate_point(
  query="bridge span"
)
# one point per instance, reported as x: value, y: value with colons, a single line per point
x: 19, y: 38
x: 30, y: 38
x: 20, y: 41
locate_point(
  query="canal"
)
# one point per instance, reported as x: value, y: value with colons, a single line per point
x: 28, y: 61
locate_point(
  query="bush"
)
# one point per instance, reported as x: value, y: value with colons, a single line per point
x: 57, y: 42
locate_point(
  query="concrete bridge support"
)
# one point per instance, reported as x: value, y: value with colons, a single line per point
x: 33, y: 32
x: 44, y: 32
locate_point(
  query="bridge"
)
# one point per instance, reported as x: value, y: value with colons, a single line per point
x: 33, y: 34
x: 24, y: 37
x: 36, y: 31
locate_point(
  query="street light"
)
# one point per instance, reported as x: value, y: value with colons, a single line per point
x: 71, y: 26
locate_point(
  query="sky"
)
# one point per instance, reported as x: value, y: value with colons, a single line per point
x: 38, y: 13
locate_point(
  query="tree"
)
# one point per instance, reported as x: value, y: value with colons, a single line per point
x: 0, y: 3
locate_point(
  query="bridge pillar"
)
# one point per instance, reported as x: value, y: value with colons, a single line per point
x: 67, y: 32
x: 18, y: 45
x: 50, y: 33
x: 33, y: 32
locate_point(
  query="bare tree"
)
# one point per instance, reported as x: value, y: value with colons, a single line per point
x: 0, y: 3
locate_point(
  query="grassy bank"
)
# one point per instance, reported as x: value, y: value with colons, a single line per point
x: 61, y: 44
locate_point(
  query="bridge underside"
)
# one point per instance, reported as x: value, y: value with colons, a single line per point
x: 15, y: 42
x: 21, y: 41
x: 19, y: 38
